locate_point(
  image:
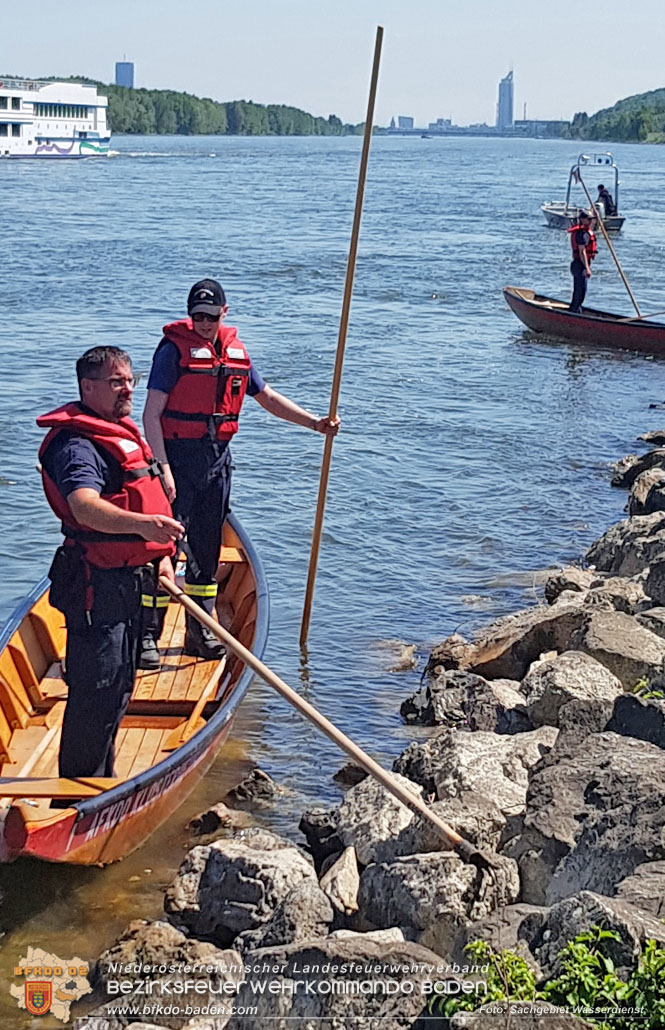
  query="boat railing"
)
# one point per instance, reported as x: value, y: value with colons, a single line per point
x: 24, y: 84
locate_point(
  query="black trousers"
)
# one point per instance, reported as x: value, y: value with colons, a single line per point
x: 202, y: 473
x: 580, y: 281
x: 100, y: 667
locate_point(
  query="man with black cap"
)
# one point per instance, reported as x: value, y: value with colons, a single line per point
x: 583, y: 242
x: 200, y: 375
x: 606, y: 199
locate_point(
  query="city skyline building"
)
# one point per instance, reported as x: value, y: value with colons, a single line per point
x: 504, y: 107
x: 404, y: 122
x: 124, y: 73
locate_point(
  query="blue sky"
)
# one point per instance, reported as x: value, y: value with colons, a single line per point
x: 439, y: 59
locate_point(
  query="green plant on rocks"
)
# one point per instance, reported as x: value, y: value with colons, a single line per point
x: 643, y: 690
x: 588, y: 984
x: 507, y: 977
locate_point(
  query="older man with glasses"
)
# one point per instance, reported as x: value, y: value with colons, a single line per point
x: 105, y: 486
x: 200, y: 375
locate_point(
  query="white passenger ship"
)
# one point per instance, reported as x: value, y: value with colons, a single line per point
x: 52, y: 119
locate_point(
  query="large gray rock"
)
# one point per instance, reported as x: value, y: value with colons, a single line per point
x: 235, y: 885
x: 654, y: 581
x: 653, y: 619
x: 623, y: 646
x: 457, y: 698
x: 630, y: 468
x: 452, y: 762
x: 304, y: 996
x: 645, y: 889
x: 593, y: 813
x: 473, y: 816
x: 583, y: 912
x: 369, y: 815
x: 647, y: 493
x: 511, y: 928
x: 521, y: 1015
x: 551, y: 684
x: 642, y: 718
x: 571, y: 578
x: 628, y: 547
x: 305, y: 912
x: 430, y: 896
x: 620, y: 593
x: 320, y: 827
x: 341, y: 881
x: 655, y: 437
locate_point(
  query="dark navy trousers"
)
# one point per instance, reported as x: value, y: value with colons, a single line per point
x: 580, y: 281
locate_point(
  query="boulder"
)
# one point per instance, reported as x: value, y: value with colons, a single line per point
x: 370, y: 815
x: 496, y: 767
x: 393, y: 935
x: 628, y: 547
x: 580, y: 718
x: 647, y: 493
x: 653, y: 619
x: 340, y: 882
x: 430, y: 896
x: 510, y: 928
x: 620, y: 593
x: 642, y: 718
x: 571, y: 676
x: 473, y: 816
x: 258, y: 790
x: 645, y: 889
x: 349, y: 775
x: 570, y: 578
x: 218, y: 817
x: 583, y: 912
x: 451, y: 653
x: 235, y: 885
x: 520, y: 1015
x: 632, y: 466
x: 655, y: 438
x: 366, y: 995
x: 305, y: 912
x: 320, y: 827
x: 623, y: 646
x: 654, y: 581
x: 593, y: 813
x: 457, y: 698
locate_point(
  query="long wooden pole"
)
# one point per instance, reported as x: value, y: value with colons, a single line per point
x: 464, y: 848
x: 608, y: 241
x: 341, y: 343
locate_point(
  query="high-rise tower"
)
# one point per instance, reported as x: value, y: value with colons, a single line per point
x: 124, y: 73
x: 504, y: 108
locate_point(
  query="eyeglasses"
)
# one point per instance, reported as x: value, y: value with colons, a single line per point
x: 118, y: 382
x: 201, y: 316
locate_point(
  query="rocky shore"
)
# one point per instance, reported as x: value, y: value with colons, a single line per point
x: 546, y: 748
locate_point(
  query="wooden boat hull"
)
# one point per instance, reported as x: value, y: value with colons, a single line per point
x: 104, y: 828
x: 546, y: 315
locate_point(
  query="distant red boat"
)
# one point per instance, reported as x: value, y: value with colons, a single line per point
x: 545, y: 315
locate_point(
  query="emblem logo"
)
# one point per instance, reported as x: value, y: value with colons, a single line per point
x: 38, y: 996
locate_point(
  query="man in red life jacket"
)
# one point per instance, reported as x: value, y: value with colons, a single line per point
x: 583, y: 243
x: 104, y: 485
x: 200, y: 376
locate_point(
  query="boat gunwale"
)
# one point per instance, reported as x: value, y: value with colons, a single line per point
x: 590, y: 314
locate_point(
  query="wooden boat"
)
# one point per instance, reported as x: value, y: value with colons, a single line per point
x: 564, y: 214
x: 162, y: 749
x: 545, y: 315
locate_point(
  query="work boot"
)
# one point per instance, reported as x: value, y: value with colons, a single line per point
x: 201, y: 642
x: 149, y: 655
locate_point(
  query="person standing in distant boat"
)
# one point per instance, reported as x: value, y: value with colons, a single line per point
x: 583, y: 243
x: 200, y: 375
x: 102, y: 482
x: 606, y: 199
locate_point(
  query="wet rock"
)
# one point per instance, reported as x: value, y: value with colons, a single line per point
x: 643, y: 719
x: 522, y: 1015
x: 632, y: 466
x: 510, y: 928
x: 406, y: 658
x: 308, y: 999
x: 430, y: 896
x: 593, y: 813
x: 585, y: 910
x: 647, y: 493
x: 457, y: 698
x: 218, y: 817
x: 340, y: 882
x: 320, y: 827
x: 628, y: 547
x: 550, y: 685
x: 234, y: 885
x: 370, y: 815
x: 654, y: 620
x: 623, y: 646
x: 305, y: 912
x: 257, y: 790
x: 473, y: 816
x: 349, y: 775
x: 452, y: 762
x: 570, y: 578
x: 439, y: 700
x: 451, y: 653
x: 655, y: 438
x: 645, y: 889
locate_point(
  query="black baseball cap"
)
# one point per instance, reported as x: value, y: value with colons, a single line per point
x: 207, y: 296
x: 600, y: 186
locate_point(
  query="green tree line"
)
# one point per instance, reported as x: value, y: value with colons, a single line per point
x: 637, y: 119
x: 166, y: 112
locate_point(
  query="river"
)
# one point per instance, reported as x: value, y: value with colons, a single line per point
x: 473, y: 454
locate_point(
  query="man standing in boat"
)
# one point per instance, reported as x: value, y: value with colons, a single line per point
x: 583, y: 243
x: 104, y: 485
x: 200, y: 375
x: 607, y: 200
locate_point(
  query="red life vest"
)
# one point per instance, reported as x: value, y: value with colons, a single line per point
x: 208, y: 396
x: 591, y: 247
x: 142, y: 490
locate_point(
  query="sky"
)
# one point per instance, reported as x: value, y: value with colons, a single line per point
x: 439, y: 59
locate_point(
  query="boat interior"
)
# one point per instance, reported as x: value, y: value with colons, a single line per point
x: 168, y: 705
